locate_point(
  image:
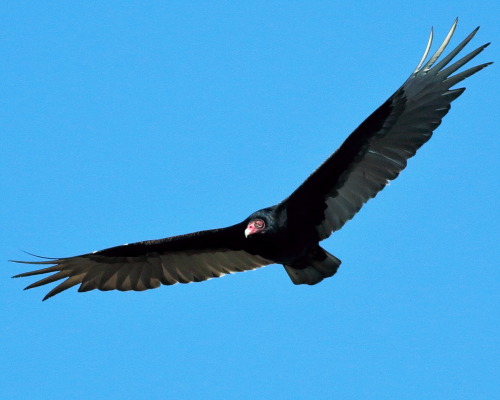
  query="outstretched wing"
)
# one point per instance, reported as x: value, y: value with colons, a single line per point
x: 377, y: 151
x: 146, y: 265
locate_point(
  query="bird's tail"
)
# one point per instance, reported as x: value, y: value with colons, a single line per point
x: 321, y: 266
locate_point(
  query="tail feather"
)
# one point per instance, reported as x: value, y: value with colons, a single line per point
x: 316, y: 271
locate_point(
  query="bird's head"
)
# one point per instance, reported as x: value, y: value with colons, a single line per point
x: 261, y: 223
x: 255, y: 226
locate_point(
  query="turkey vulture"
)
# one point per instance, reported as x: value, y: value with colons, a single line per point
x: 287, y: 233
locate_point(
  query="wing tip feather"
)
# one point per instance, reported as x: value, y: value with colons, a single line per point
x: 48, y: 296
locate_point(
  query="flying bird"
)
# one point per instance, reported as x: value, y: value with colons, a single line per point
x: 287, y: 233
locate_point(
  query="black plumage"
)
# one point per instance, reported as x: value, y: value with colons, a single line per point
x: 289, y: 232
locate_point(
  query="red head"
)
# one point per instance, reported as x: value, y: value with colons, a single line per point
x: 255, y: 226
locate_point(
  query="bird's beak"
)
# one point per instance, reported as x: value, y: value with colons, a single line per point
x: 251, y: 229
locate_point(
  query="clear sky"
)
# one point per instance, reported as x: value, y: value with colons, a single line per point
x: 127, y: 121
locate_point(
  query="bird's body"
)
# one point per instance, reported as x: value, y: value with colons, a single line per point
x: 289, y: 232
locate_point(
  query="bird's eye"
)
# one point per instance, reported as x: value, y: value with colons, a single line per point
x: 259, y: 224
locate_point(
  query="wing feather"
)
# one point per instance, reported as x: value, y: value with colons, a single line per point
x: 146, y: 265
x: 378, y: 150
x: 440, y: 49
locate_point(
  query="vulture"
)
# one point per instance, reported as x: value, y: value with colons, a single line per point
x: 287, y: 233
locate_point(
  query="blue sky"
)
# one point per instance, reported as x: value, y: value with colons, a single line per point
x: 126, y: 121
